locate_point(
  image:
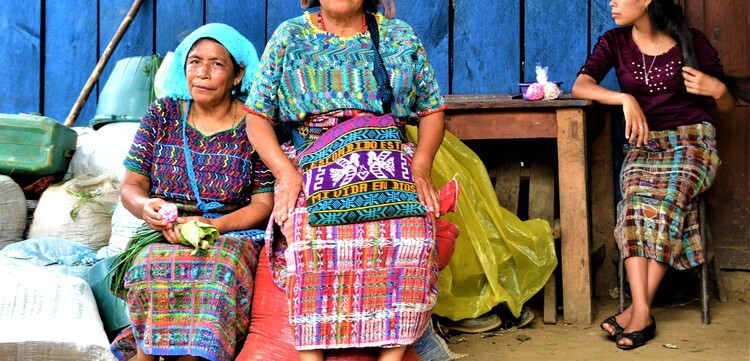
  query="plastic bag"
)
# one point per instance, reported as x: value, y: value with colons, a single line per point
x: 53, y: 254
x: 498, y: 258
x: 161, y: 75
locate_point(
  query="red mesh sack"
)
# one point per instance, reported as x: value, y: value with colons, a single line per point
x: 446, y: 235
x: 449, y: 196
x: 270, y: 337
x: 446, y: 231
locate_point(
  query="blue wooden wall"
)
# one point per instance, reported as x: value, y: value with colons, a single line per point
x: 51, y: 47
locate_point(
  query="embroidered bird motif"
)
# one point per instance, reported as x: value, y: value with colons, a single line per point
x: 380, y: 163
x: 350, y: 166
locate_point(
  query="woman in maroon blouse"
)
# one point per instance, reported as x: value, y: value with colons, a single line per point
x: 668, y: 74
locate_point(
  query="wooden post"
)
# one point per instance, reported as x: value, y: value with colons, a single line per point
x: 73, y: 115
x: 575, y: 237
x: 542, y: 206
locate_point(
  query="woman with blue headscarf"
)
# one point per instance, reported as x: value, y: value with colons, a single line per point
x: 192, y: 150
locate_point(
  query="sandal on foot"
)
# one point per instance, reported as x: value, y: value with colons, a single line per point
x: 612, y: 321
x: 483, y: 323
x: 638, y: 338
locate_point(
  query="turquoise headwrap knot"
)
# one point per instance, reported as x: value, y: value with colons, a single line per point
x: 243, y: 51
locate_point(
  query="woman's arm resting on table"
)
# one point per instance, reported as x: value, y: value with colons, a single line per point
x: 288, y: 179
x: 636, y: 127
x: 431, y: 132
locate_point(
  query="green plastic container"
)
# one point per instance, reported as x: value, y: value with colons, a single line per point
x: 35, y: 145
x: 128, y: 91
x: 112, y: 310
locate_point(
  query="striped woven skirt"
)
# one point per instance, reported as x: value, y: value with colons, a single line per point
x: 182, y: 304
x: 370, y: 284
x: 658, y: 215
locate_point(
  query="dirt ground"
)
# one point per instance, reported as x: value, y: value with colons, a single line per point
x: 680, y: 335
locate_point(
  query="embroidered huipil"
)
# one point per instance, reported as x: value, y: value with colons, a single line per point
x: 664, y: 100
x: 306, y: 71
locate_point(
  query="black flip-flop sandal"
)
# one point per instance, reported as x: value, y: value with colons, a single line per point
x: 637, y: 338
x: 612, y: 321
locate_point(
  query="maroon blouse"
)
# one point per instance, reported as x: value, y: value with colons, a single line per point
x: 664, y: 100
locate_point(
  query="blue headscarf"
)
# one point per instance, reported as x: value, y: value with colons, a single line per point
x: 243, y: 51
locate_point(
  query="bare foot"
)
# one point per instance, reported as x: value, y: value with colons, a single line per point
x: 392, y: 354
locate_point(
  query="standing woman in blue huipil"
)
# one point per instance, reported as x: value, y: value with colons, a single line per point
x: 362, y: 284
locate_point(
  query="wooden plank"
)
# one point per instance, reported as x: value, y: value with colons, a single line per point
x: 549, y: 312
x: 728, y: 200
x: 429, y: 19
x: 549, y: 27
x: 507, y: 183
x: 171, y: 30
x: 695, y: 13
x: 20, y: 41
x: 248, y: 17
x: 542, y: 206
x: 67, y: 68
x: 504, y: 125
x: 602, y: 192
x: 137, y: 41
x: 600, y: 22
x: 542, y: 191
x: 495, y: 101
x: 575, y: 242
x: 486, y: 47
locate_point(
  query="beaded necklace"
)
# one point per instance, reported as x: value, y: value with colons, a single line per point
x: 322, y: 24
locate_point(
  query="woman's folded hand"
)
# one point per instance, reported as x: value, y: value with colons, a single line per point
x: 288, y: 187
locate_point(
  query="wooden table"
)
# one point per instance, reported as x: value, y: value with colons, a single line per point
x: 505, y: 116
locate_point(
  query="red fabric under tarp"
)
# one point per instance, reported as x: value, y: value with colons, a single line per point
x: 271, y: 338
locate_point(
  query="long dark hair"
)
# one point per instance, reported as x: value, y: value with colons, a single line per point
x: 666, y: 15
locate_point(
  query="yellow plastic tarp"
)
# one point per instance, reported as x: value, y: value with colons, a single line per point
x: 498, y: 258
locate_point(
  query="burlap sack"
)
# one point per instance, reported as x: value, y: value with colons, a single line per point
x: 79, y: 210
x: 12, y: 211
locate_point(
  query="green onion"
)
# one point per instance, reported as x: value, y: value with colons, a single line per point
x: 142, y: 237
x: 192, y: 233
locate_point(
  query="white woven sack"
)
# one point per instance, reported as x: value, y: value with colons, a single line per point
x: 124, y: 224
x: 89, y: 199
x: 12, y: 211
x: 102, y: 151
x: 49, y: 316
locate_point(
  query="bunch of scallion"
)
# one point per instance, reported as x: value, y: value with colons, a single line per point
x: 192, y: 233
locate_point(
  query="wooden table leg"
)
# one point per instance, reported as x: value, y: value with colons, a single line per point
x: 574, y: 216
